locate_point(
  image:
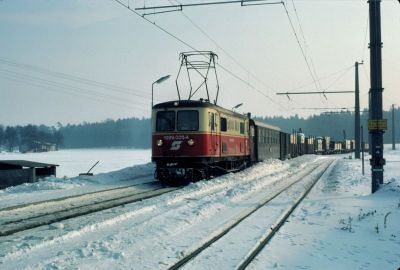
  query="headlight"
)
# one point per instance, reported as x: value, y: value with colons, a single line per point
x: 190, y: 142
x: 159, y: 142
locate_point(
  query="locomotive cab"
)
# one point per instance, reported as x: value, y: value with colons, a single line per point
x: 191, y: 140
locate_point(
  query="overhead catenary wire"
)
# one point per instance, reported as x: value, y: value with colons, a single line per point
x: 194, y: 49
x: 233, y: 59
x: 347, y: 68
x: 341, y: 73
x: 339, y: 78
x: 303, y: 53
x: 305, y: 43
x: 315, y: 78
x: 67, y: 92
x: 63, y: 85
x: 304, y: 50
x: 221, y: 48
x: 365, y: 40
x: 58, y: 74
x: 57, y: 87
x: 301, y: 47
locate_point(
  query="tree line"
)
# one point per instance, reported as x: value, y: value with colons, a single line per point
x: 26, y: 138
x: 131, y: 132
x: 136, y: 133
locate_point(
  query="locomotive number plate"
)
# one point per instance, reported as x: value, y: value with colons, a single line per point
x: 176, y: 137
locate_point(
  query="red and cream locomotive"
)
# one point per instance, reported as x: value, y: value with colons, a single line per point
x: 194, y: 139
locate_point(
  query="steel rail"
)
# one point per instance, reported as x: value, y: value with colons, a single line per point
x: 46, y: 219
x: 8, y: 208
x: 70, y: 205
x: 241, y: 217
x: 275, y: 228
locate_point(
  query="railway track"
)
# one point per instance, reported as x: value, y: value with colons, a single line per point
x: 23, y: 217
x: 235, y: 222
x: 27, y: 216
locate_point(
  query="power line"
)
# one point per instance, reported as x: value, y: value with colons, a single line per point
x: 313, y: 92
x: 301, y: 47
x: 173, y: 8
x: 39, y: 82
x: 74, y: 78
x: 64, y: 91
x: 62, y: 85
x: 365, y: 39
x: 313, y: 70
x: 220, y: 47
x: 229, y: 55
x: 324, y: 108
x: 338, y: 78
x: 193, y: 48
x: 305, y: 43
x: 325, y: 77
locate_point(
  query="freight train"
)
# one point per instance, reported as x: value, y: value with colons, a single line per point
x: 195, y: 139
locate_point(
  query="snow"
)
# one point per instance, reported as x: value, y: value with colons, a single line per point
x: 340, y: 225
x: 75, y: 161
x: 128, y: 167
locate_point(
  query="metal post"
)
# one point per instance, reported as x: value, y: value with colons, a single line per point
x: 357, y: 116
x: 152, y: 90
x: 393, y: 130
x: 157, y: 82
x: 369, y: 117
x: 377, y: 161
x: 362, y: 149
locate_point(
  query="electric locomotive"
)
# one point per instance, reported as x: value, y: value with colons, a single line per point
x: 195, y: 139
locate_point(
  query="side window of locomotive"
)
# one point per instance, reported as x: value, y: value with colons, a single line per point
x: 165, y: 121
x: 223, y: 124
x: 241, y: 128
x: 211, y: 121
x: 188, y: 120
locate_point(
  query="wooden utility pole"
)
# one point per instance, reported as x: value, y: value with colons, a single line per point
x: 376, y: 125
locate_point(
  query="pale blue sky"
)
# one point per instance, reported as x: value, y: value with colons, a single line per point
x: 104, y: 42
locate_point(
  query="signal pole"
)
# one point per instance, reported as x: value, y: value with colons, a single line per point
x: 393, y: 130
x: 376, y: 125
x: 357, y: 115
x: 362, y: 149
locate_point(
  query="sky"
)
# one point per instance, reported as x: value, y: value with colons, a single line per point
x: 75, y: 61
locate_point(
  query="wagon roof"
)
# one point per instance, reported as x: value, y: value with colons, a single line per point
x: 265, y: 125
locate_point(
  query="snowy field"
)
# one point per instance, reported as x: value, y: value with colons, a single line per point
x: 340, y: 225
x: 76, y: 161
x: 117, y: 168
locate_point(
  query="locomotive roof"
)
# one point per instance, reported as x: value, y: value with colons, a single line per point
x: 194, y: 104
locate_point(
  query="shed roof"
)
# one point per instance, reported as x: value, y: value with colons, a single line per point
x: 26, y: 163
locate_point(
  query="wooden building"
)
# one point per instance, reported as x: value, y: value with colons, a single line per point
x: 16, y: 172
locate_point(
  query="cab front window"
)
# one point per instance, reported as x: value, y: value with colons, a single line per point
x: 188, y: 120
x: 165, y: 121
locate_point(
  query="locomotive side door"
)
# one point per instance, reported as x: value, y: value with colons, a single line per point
x: 253, y: 143
x: 213, y: 132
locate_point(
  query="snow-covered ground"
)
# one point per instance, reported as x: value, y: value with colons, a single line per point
x: 75, y: 161
x: 127, y: 166
x: 342, y: 225
x: 339, y: 226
